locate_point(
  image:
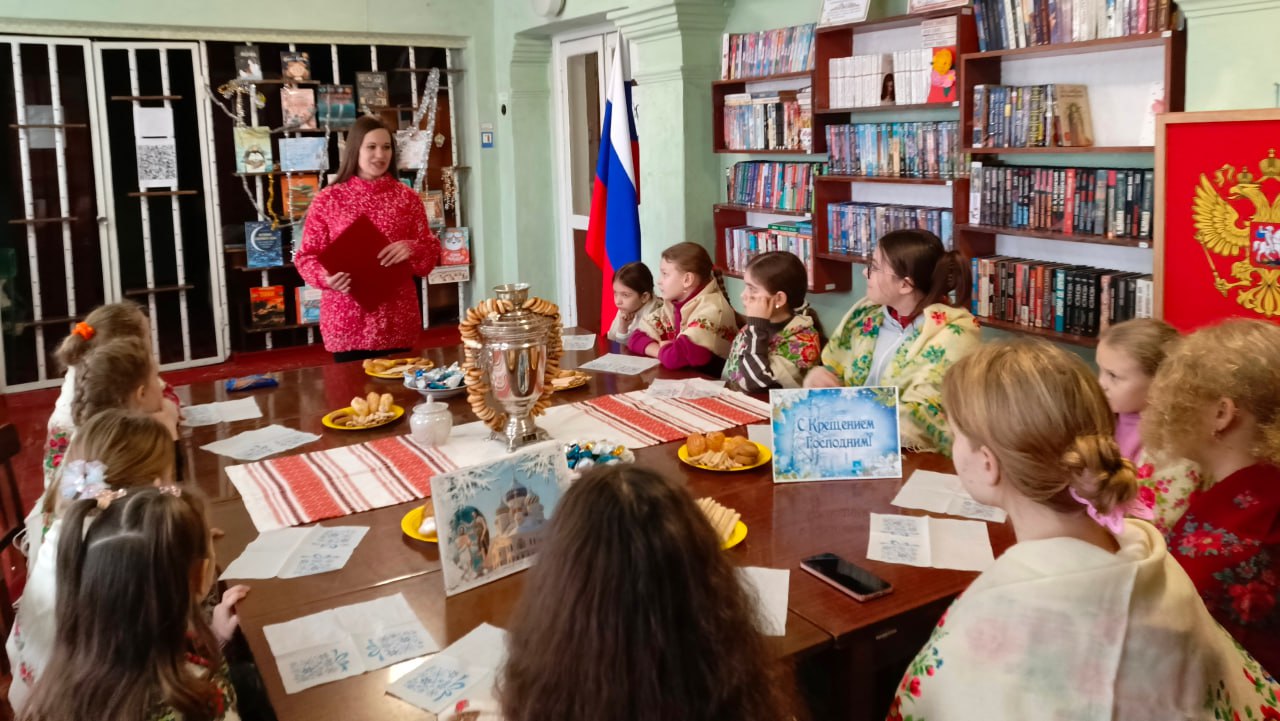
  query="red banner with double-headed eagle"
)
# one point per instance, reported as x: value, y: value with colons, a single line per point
x: 1221, y: 222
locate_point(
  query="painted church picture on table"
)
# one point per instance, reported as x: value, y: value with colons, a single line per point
x: 492, y: 517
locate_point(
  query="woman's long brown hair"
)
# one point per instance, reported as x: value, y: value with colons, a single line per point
x: 350, y: 163
x: 633, y: 612
x: 128, y: 611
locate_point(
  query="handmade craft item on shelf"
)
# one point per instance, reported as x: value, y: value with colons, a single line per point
x: 512, y: 354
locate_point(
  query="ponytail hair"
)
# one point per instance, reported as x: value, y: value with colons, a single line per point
x: 1041, y: 412
x: 113, y: 320
x: 130, y: 586
x: 109, y: 376
x: 918, y: 255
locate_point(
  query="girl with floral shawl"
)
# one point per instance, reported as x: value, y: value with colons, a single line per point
x: 1216, y: 401
x: 906, y: 333
x: 695, y: 323
x: 1088, y: 617
x: 1129, y: 354
x: 780, y: 341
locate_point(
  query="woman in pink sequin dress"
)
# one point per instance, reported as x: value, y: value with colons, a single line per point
x: 366, y: 186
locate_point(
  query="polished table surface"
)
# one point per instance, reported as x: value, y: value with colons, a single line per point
x: 787, y: 522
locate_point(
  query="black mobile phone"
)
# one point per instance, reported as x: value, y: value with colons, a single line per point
x: 846, y: 577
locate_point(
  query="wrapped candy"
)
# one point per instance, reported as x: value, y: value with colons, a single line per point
x: 586, y: 454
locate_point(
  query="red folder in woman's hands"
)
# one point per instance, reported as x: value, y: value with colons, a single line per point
x: 355, y: 251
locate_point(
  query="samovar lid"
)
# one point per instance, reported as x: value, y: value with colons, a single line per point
x: 518, y: 324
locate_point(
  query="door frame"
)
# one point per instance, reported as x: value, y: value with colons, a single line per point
x: 603, y: 39
x: 95, y: 151
x: 213, y: 236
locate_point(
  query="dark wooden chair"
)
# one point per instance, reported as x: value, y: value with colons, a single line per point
x: 14, y: 566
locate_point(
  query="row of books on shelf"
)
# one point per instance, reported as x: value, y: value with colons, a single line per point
x: 769, y: 121
x: 1007, y: 24
x: 255, y: 153
x: 906, y: 77
x: 855, y: 228
x: 744, y: 242
x: 1075, y: 299
x: 267, y: 306
x: 928, y: 149
x: 1034, y: 116
x: 1102, y: 202
x: 778, y: 185
x: 767, y: 52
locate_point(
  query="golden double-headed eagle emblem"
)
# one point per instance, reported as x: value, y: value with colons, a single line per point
x: 1252, y: 245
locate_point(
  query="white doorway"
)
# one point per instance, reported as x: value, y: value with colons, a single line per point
x: 582, y: 62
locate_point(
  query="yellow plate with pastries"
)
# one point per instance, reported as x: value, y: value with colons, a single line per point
x: 393, y: 369
x: 724, y: 521
x: 569, y: 379
x: 411, y: 524
x: 364, y: 413
x: 717, y: 452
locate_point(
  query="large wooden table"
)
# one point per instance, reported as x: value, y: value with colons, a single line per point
x: 786, y: 522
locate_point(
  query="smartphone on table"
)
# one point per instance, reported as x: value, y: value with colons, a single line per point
x: 846, y: 577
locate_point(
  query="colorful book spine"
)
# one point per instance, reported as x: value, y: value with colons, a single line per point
x: 768, y: 52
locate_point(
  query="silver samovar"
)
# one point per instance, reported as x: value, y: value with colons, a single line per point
x: 514, y: 358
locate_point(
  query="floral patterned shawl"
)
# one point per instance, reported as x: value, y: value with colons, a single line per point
x: 946, y: 334
x: 1229, y: 543
x: 792, y: 352
x: 1167, y: 487
x: 707, y: 318
x: 1061, y: 629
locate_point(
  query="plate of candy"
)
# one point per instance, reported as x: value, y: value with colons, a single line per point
x: 436, y: 383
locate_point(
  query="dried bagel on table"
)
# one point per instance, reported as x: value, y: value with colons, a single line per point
x: 478, y: 396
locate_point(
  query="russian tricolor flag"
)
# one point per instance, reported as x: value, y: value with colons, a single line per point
x: 613, y: 232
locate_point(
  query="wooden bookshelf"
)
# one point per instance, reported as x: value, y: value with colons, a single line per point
x: 723, y: 88
x: 948, y: 105
x: 1046, y: 333
x: 828, y: 277
x: 761, y: 209
x: 1079, y: 48
x: 1068, y: 150
x: 987, y: 68
x: 1050, y: 235
x: 840, y: 41
x: 845, y: 258
x: 896, y: 21
x: 894, y: 180
x: 803, y: 156
x: 734, y: 82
